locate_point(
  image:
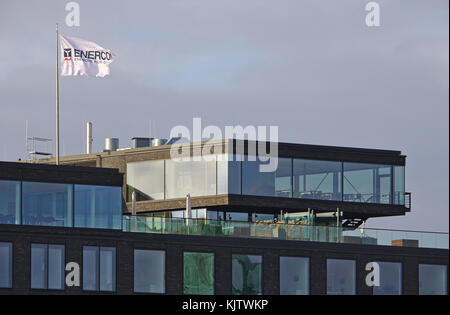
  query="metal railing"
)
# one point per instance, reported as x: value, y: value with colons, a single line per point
x: 283, y: 231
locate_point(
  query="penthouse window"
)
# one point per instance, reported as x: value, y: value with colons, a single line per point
x: 197, y: 178
x: 293, y: 178
x: 272, y: 184
x: 368, y: 183
x: 317, y: 179
x: 47, y: 204
x: 98, y: 207
x: 9, y: 202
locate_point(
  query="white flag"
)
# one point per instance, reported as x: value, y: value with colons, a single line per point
x: 81, y: 57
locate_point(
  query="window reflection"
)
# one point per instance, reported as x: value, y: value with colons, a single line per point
x: 390, y: 279
x: 138, y: 175
x: 9, y: 202
x: 246, y: 274
x: 197, y: 178
x: 198, y: 273
x: 294, y: 275
x: 271, y: 184
x: 47, y: 204
x: 317, y: 179
x: 369, y: 183
x: 5, y: 265
x: 341, y: 277
x: 149, y: 271
x: 98, y: 207
x: 433, y: 279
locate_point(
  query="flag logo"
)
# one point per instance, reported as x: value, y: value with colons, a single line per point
x: 82, y: 57
x: 67, y: 54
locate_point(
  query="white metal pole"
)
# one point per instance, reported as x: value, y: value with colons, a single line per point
x: 57, y: 95
x: 89, y: 138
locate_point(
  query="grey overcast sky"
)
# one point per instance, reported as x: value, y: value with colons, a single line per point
x: 312, y: 67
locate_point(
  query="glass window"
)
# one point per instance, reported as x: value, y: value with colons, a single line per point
x: 56, y: 267
x: 90, y: 268
x: 107, y: 269
x: 228, y: 174
x: 272, y: 184
x: 98, y: 207
x: 9, y: 202
x: 341, y: 276
x: 146, y: 179
x: 433, y: 279
x: 197, y: 178
x: 317, y: 179
x: 5, y: 265
x: 38, y: 266
x: 198, y: 273
x: 399, y: 185
x: 47, y: 266
x: 260, y: 217
x: 294, y: 275
x: 237, y: 216
x: 246, y: 274
x: 149, y: 271
x: 390, y: 279
x: 47, y: 204
x: 99, y: 268
x: 368, y: 183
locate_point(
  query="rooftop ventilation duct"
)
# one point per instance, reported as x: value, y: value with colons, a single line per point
x: 111, y: 144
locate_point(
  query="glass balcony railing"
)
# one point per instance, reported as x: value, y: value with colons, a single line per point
x: 282, y: 231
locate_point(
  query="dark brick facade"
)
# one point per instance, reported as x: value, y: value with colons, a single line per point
x: 223, y: 247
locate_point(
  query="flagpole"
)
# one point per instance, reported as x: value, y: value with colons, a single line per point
x: 57, y: 95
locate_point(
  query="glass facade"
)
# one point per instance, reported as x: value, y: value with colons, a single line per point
x: 149, y: 271
x: 198, y: 273
x: 294, y: 276
x: 228, y: 175
x: 138, y: 175
x: 47, y: 204
x: 399, y: 185
x: 197, y: 178
x: 390, y: 279
x: 294, y: 178
x: 271, y: 184
x: 9, y: 202
x: 341, y: 277
x: 433, y: 279
x: 5, y: 265
x: 98, y: 207
x: 64, y: 205
x: 317, y: 179
x: 99, y: 268
x: 47, y: 266
x: 246, y: 274
x: 369, y: 183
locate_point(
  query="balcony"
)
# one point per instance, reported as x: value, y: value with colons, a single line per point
x: 282, y: 231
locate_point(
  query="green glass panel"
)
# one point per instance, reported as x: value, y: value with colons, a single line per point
x: 198, y: 273
x: 247, y: 274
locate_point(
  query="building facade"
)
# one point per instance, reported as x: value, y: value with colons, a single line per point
x: 295, y: 230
